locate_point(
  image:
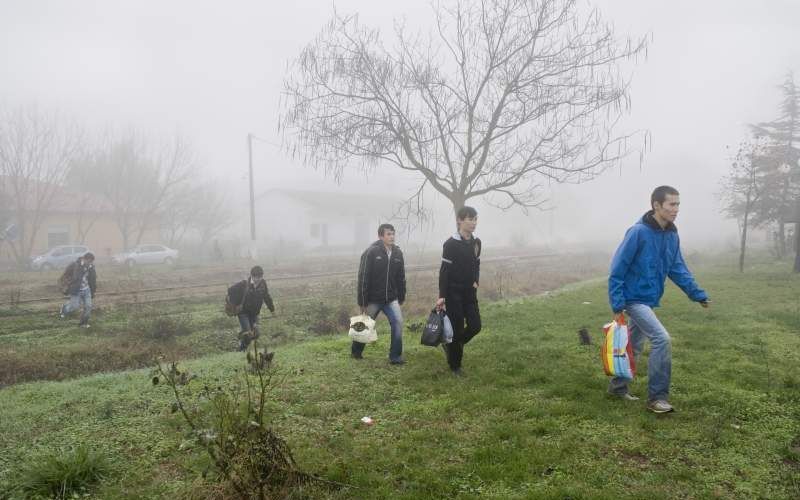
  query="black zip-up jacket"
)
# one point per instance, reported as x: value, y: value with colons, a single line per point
x: 461, y: 264
x: 73, y: 276
x: 256, y: 297
x: 381, y: 279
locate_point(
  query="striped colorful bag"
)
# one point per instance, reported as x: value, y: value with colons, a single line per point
x: 616, y: 350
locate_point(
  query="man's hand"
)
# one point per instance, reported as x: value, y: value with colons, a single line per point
x: 705, y: 303
x: 440, y: 304
x: 475, y: 285
x: 363, y: 310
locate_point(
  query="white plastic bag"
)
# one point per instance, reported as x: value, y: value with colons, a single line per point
x: 447, y: 330
x: 362, y: 329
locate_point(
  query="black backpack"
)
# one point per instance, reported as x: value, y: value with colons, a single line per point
x: 231, y: 308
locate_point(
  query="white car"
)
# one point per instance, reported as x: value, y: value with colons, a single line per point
x: 58, y: 257
x: 147, y: 254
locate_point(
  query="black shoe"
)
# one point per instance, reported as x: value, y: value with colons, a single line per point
x: 356, y: 355
x: 397, y: 361
x: 458, y: 372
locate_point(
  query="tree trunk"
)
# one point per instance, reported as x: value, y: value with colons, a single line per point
x: 458, y: 200
x: 743, y: 244
x: 781, y: 239
x: 797, y: 247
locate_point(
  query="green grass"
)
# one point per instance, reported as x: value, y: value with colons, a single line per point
x: 60, y: 474
x: 530, y: 420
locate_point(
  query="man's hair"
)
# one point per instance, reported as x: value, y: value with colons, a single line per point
x: 257, y: 272
x: 465, y: 212
x: 660, y: 194
x: 88, y: 256
x: 385, y: 227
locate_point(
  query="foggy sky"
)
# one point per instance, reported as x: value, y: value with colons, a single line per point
x: 213, y: 71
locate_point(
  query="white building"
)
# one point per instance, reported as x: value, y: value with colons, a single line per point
x: 290, y: 221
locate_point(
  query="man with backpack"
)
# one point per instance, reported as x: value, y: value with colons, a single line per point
x: 79, y: 281
x: 649, y: 253
x: 459, y: 277
x: 382, y: 287
x: 247, y: 297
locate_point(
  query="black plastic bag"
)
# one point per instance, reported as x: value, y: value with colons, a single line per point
x: 432, y: 334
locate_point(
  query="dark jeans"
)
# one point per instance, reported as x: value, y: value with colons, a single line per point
x: 248, y: 322
x: 461, y: 306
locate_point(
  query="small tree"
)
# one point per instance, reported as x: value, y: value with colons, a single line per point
x: 501, y: 96
x: 742, y: 188
x: 232, y: 424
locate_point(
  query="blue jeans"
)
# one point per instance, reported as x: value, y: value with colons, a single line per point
x: 83, y: 296
x: 248, y: 323
x: 395, y: 317
x: 643, y: 323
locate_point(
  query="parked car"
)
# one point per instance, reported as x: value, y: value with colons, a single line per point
x: 147, y: 254
x: 58, y: 257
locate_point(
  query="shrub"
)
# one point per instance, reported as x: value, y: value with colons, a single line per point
x: 232, y: 424
x: 161, y: 327
x: 58, y: 474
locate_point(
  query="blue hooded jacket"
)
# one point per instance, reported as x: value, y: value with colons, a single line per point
x: 642, y: 263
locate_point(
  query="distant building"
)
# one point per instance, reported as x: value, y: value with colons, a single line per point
x: 74, y: 218
x: 289, y: 220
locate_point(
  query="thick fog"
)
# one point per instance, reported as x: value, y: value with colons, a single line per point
x: 213, y: 71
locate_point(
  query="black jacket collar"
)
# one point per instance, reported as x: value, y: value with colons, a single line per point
x: 649, y: 219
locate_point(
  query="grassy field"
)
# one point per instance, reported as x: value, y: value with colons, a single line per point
x: 530, y: 419
x: 130, y: 329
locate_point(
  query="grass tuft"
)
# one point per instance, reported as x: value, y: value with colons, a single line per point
x: 59, y: 474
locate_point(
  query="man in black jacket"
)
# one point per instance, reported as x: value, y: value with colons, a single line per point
x: 79, y: 281
x: 252, y: 293
x: 458, y: 285
x: 382, y: 287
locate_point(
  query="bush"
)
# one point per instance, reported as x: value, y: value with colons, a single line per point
x: 58, y: 474
x: 327, y: 319
x: 161, y: 327
x: 232, y: 424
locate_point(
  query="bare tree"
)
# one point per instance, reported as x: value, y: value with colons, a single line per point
x: 213, y: 213
x: 85, y: 187
x: 138, y: 178
x: 178, y: 215
x: 198, y: 209
x: 743, y: 187
x: 36, y: 149
x: 500, y: 96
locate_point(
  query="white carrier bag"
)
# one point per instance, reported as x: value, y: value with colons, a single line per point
x: 362, y: 329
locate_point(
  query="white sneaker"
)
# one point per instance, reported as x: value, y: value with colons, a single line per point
x: 85, y: 325
x: 660, y: 406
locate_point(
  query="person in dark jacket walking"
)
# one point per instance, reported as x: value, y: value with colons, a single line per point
x: 79, y: 281
x: 252, y: 293
x: 649, y: 253
x: 382, y: 287
x: 459, y: 277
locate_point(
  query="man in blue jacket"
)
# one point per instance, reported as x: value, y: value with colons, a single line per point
x: 648, y: 255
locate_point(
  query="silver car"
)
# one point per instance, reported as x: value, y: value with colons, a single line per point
x: 58, y: 257
x: 147, y: 254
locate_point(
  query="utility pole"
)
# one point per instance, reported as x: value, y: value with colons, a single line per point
x: 253, y: 245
